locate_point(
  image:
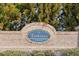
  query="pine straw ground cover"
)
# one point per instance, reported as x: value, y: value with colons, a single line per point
x: 62, y: 52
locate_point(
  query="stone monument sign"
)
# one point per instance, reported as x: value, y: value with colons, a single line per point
x: 38, y: 36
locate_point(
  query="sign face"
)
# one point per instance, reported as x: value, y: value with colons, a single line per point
x: 38, y: 35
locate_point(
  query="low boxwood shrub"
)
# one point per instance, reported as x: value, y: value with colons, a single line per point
x: 71, y: 52
x: 49, y: 53
x: 42, y: 53
x: 62, y: 52
x: 14, y: 53
x: 37, y: 53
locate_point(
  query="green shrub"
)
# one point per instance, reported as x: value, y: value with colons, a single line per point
x: 71, y: 52
x: 37, y: 53
x: 67, y: 52
x: 48, y: 53
x: 14, y: 53
x: 42, y: 53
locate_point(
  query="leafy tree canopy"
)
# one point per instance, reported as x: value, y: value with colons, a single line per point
x: 14, y: 16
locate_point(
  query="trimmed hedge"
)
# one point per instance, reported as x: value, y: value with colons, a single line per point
x: 14, y: 53
x: 67, y: 52
x: 71, y: 52
x: 22, y: 53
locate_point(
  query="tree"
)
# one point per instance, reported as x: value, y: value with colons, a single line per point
x: 14, y: 16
